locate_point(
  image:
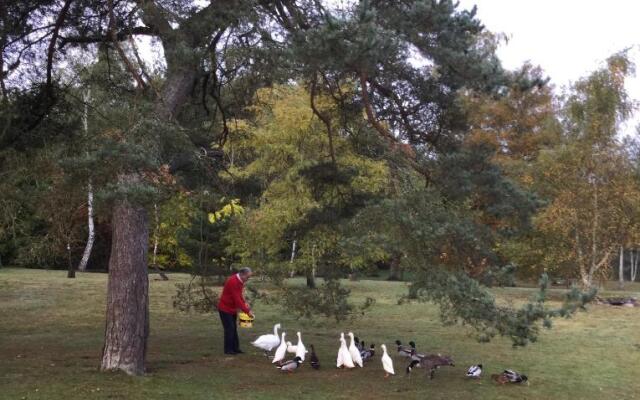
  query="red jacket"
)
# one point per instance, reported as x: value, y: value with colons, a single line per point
x: 231, y: 299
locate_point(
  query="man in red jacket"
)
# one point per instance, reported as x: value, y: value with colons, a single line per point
x: 230, y: 301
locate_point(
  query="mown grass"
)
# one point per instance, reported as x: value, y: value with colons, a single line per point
x: 51, y: 332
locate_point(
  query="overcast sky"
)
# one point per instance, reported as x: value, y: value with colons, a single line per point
x: 567, y: 38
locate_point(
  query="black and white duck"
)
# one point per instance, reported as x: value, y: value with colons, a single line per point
x: 291, y: 365
x: 369, y: 353
x: 315, y: 362
x: 509, y: 376
x: 358, y: 343
x: 514, y: 377
x: 474, y: 371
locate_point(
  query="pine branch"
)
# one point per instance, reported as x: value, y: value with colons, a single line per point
x: 119, y: 36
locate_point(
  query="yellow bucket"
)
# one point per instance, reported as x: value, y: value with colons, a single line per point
x: 245, y: 320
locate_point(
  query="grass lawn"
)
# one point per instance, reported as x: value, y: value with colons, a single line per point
x: 51, y: 332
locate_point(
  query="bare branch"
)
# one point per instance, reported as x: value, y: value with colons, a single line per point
x: 124, y: 57
x: 323, y: 117
x: 54, y: 37
x: 119, y: 36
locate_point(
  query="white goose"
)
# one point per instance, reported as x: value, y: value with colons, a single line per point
x: 387, y: 362
x: 291, y: 348
x: 268, y: 342
x: 355, y: 352
x: 281, y: 351
x: 301, y: 350
x: 344, y: 357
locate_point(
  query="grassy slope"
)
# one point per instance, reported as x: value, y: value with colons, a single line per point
x: 51, y: 337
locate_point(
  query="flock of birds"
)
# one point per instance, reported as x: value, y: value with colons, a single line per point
x: 357, y: 354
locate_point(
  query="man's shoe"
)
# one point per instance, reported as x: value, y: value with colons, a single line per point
x: 230, y: 353
x: 239, y: 352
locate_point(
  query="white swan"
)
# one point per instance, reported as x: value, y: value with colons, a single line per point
x: 268, y: 342
x: 344, y: 357
x: 281, y: 351
x: 387, y: 362
x: 300, y: 349
x: 355, y: 353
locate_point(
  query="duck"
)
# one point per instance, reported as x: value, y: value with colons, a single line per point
x: 291, y: 348
x: 281, y: 351
x: 387, y: 362
x: 368, y: 354
x: 291, y: 365
x: 269, y: 341
x: 355, y: 353
x: 431, y: 362
x: 301, y: 350
x: 315, y: 362
x: 362, y: 346
x: 474, y: 371
x: 359, y: 345
x: 344, y: 357
x: 415, y: 356
x: 509, y: 376
x: 404, y: 351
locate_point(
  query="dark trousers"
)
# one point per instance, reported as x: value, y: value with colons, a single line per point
x: 231, y: 341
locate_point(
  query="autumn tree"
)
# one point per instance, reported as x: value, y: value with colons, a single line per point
x: 588, y: 179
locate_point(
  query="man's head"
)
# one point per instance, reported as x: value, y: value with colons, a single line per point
x: 245, y: 273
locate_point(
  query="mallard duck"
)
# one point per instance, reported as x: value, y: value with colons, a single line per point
x: 414, y: 353
x: 301, y: 351
x: 404, y: 351
x: 315, y: 362
x: 291, y: 365
x: 387, y: 362
x: 474, y: 371
x: 368, y: 354
x: 431, y: 362
x: 509, y: 376
x: 269, y: 341
x: 355, y: 353
x: 281, y: 351
x: 344, y: 357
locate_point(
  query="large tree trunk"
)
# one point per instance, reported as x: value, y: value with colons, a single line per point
x: 311, y: 279
x: 395, y: 272
x: 127, y: 319
x: 127, y: 325
x: 71, y: 271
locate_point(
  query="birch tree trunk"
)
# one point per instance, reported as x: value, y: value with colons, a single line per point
x: 621, y: 269
x: 634, y: 265
x: 90, y: 224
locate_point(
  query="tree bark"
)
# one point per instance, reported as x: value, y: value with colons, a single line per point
x: 395, y: 273
x: 311, y: 279
x: 71, y: 272
x: 127, y: 322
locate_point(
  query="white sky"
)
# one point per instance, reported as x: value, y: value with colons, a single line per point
x: 567, y: 38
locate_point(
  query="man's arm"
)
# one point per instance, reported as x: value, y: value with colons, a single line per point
x: 239, y: 299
